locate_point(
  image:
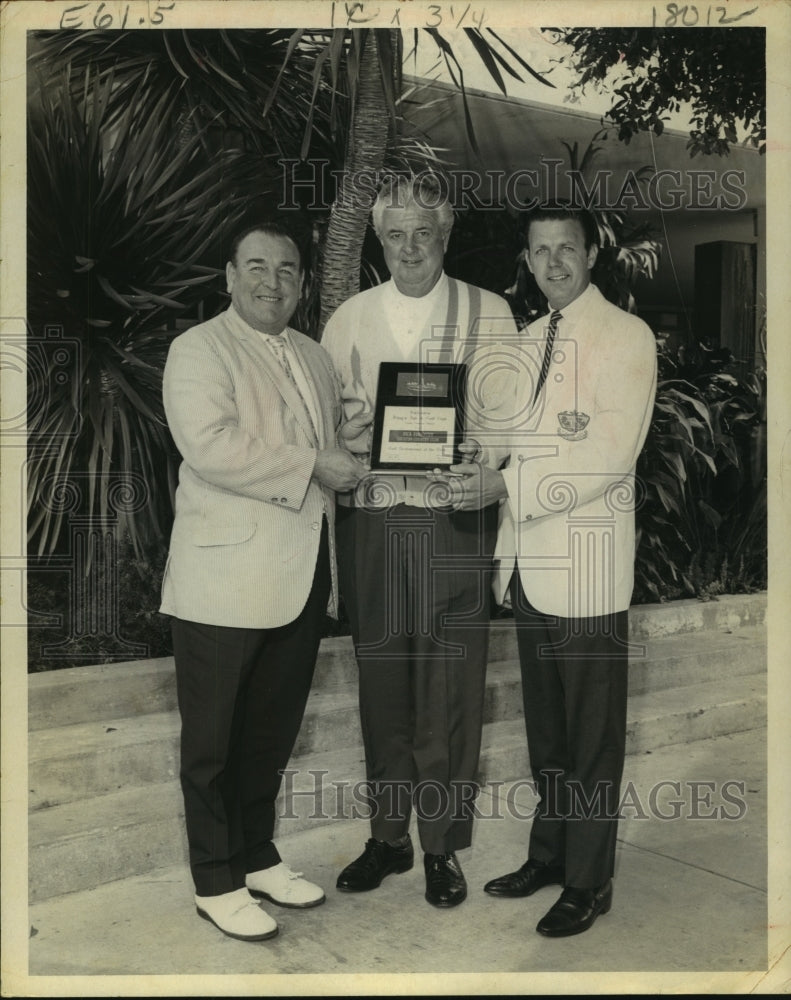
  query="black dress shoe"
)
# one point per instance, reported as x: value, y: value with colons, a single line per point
x: 576, y: 910
x: 377, y: 860
x: 445, y: 882
x: 531, y: 876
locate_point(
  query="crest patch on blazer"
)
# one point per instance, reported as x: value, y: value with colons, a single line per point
x: 573, y: 424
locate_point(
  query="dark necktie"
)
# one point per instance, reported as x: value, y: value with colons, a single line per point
x: 554, y: 319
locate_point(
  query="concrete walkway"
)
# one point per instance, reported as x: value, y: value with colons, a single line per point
x: 690, y: 913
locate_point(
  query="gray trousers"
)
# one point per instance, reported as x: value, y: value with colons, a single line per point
x: 416, y: 584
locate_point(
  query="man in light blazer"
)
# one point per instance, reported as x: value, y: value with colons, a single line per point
x: 568, y: 496
x: 253, y: 407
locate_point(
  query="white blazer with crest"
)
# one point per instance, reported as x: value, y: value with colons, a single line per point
x: 568, y: 521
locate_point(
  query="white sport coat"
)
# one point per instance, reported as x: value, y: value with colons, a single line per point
x: 569, y: 517
x: 248, y: 512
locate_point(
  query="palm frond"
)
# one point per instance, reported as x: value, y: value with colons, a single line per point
x: 112, y: 274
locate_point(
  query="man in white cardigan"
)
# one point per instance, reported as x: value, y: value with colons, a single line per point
x: 253, y: 407
x: 414, y: 573
x: 568, y: 497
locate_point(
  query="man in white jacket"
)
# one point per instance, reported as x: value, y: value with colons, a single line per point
x: 567, y: 528
x: 253, y: 407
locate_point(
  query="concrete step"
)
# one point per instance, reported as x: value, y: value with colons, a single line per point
x: 655, y: 719
x: 101, y: 691
x: 655, y: 664
x: 731, y: 611
x: 112, y: 691
x: 690, y: 898
x: 73, y: 762
x: 81, y: 844
x: 143, y: 687
x: 696, y: 712
x: 89, y: 758
x: 679, y: 659
x: 104, y: 795
x: 129, y: 830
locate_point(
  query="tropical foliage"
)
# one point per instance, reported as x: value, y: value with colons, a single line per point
x: 120, y: 244
x: 363, y: 65
x: 628, y: 251
x: 68, y: 625
x: 702, y: 519
x: 720, y: 73
x: 144, y: 151
x: 210, y: 81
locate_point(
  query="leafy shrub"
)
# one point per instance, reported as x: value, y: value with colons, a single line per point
x: 108, y: 614
x: 701, y: 528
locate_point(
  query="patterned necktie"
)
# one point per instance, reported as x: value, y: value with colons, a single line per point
x: 554, y: 319
x: 279, y: 347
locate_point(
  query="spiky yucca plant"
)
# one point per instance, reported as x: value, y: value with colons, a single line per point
x: 121, y: 229
x: 218, y: 80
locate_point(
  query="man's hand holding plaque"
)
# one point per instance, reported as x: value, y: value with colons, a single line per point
x: 471, y: 485
x: 357, y: 433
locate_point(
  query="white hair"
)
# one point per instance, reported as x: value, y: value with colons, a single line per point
x: 424, y: 191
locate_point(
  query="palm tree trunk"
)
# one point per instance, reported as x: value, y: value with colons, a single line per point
x: 365, y: 151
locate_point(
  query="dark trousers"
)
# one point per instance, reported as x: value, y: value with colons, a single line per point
x: 416, y: 584
x: 574, y: 686
x: 241, y: 695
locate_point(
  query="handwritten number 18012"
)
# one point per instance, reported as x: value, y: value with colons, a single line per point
x: 688, y: 15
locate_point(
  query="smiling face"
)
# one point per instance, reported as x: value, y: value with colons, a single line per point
x: 414, y: 245
x: 557, y: 257
x: 265, y: 280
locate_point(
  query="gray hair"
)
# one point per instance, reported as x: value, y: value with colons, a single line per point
x: 425, y: 191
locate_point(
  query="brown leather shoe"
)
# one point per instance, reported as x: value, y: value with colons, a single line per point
x: 533, y: 875
x: 576, y: 910
x: 445, y: 882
